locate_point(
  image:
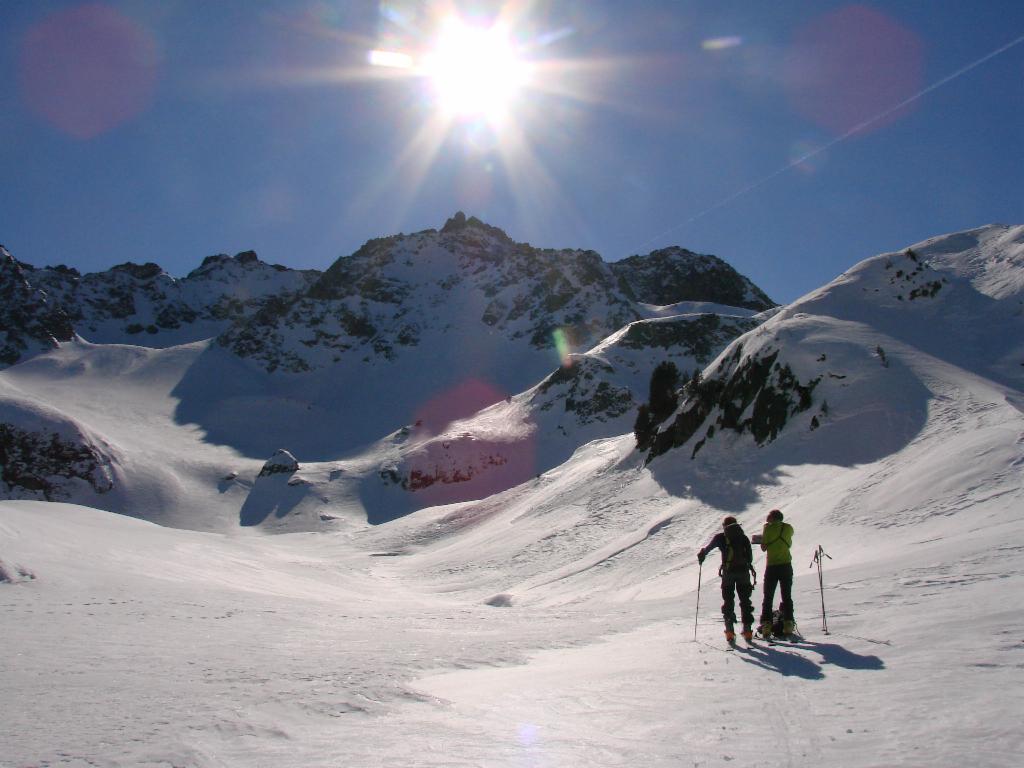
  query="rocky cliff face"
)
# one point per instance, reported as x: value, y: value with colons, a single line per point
x: 392, y: 294
x: 469, y: 277
x: 672, y: 275
x: 30, y: 321
x: 136, y: 303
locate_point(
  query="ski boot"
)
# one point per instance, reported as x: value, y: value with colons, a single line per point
x: 765, y: 630
x: 730, y: 635
x: 748, y: 634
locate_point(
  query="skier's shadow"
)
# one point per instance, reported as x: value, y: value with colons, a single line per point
x: 833, y: 653
x: 786, y: 661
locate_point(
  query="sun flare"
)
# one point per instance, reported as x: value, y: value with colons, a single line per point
x: 475, y: 71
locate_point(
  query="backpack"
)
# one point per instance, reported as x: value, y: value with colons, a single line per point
x: 778, y: 622
x: 738, y: 556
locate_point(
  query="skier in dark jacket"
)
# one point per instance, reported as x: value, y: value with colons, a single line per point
x: 736, y: 570
x: 776, y: 540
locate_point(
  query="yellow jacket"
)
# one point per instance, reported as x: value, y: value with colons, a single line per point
x: 776, y: 539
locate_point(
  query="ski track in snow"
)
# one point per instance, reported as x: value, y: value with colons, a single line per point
x: 138, y: 645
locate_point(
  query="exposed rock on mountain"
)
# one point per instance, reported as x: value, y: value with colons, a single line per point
x: 403, y: 291
x: 141, y: 304
x: 37, y: 465
x: 45, y: 455
x: 591, y: 396
x: 585, y: 389
x: 755, y: 394
x: 671, y: 275
x: 840, y: 350
x: 393, y: 294
x: 428, y: 330
x: 30, y: 321
x: 281, y: 462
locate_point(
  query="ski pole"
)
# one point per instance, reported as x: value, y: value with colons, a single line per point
x: 818, y: 554
x: 700, y: 568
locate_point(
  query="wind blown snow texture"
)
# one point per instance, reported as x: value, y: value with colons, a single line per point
x: 553, y: 623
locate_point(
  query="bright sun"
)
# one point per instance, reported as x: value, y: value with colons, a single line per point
x: 475, y: 71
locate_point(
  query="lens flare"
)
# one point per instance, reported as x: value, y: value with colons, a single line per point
x: 853, y: 63
x: 807, y: 157
x: 562, y: 346
x: 462, y: 400
x: 88, y: 69
x: 528, y: 734
x: 394, y: 59
x: 721, y: 43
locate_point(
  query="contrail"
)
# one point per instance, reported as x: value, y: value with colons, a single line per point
x: 837, y: 140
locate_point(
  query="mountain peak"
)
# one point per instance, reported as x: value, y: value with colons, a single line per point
x: 245, y: 259
x: 674, y: 274
x: 146, y: 271
x: 459, y: 222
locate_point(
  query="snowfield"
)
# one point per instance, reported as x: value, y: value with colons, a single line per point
x: 555, y: 623
x: 140, y: 645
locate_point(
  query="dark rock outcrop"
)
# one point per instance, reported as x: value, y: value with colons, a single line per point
x: 672, y: 275
x: 41, y: 464
x: 282, y: 462
x: 30, y: 321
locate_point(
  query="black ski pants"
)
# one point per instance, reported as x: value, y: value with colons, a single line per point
x: 733, y: 584
x: 778, y: 576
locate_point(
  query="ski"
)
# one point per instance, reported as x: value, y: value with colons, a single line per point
x: 781, y: 639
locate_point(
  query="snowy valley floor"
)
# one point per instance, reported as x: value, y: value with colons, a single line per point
x: 136, y: 645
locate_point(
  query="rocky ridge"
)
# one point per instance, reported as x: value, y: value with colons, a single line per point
x: 431, y: 326
x: 815, y: 360
x: 389, y: 295
x: 30, y: 321
x: 672, y: 275
x: 140, y: 303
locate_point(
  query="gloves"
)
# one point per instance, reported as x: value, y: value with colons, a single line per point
x: 700, y: 557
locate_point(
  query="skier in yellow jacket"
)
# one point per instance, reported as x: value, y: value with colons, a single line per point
x: 776, y: 541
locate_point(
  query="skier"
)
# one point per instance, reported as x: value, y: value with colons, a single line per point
x: 776, y: 540
x: 736, y: 571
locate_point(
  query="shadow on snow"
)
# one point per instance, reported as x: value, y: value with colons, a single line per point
x: 789, y: 662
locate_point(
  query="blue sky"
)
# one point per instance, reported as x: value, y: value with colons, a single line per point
x: 136, y: 130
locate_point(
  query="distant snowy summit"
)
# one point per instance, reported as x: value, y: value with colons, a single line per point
x: 393, y: 293
x: 470, y: 278
x: 451, y: 364
x: 135, y: 303
x: 408, y: 335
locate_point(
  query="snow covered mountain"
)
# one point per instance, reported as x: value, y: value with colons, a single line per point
x: 593, y: 395
x: 558, y: 621
x: 30, y: 322
x: 839, y: 356
x: 436, y: 289
x: 405, y: 337
x: 141, y: 304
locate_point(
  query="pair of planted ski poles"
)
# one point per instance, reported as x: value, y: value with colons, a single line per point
x: 819, y: 555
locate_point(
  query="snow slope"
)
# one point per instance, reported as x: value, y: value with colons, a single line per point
x: 120, y: 396
x: 554, y: 623
x: 550, y: 626
x: 364, y: 373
